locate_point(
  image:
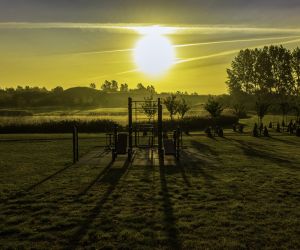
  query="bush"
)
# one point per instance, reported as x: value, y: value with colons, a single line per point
x: 6, y: 112
x: 65, y: 126
x: 197, y: 123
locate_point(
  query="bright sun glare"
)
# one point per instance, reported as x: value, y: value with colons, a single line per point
x: 154, y: 53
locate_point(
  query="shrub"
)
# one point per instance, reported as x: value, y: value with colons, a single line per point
x: 65, y: 126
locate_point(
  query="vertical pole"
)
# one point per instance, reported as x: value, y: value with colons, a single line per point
x: 75, y: 144
x: 114, y: 148
x: 129, y: 128
x: 178, y: 134
x: 159, y: 130
x: 135, y: 126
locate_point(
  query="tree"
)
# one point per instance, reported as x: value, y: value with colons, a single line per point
x: 241, y: 74
x: 261, y: 110
x: 114, y: 86
x: 106, y: 86
x: 282, y: 75
x: 149, y: 107
x: 19, y: 88
x: 183, y: 108
x: 93, y: 85
x: 140, y: 86
x: 151, y: 89
x: 251, y: 73
x: 213, y: 107
x: 171, y: 104
x: 295, y: 64
x: 296, y: 76
x: 239, y: 110
x: 124, y: 87
x: 58, y: 90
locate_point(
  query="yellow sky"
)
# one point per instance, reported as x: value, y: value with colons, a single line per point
x: 73, y: 54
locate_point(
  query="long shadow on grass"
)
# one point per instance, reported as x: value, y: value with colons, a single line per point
x: 27, y: 190
x: 101, y: 174
x: 169, y: 218
x: 112, y: 177
x: 203, y: 148
x: 181, y: 167
x: 197, y: 168
x: 30, y: 188
x: 253, y: 151
x: 295, y: 142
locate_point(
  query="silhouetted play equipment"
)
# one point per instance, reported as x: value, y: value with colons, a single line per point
x: 143, y: 132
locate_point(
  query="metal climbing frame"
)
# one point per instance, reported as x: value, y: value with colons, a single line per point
x: 143, y: 130
x: 142, y: 120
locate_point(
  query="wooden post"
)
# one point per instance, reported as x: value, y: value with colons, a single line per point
x: 114, y: 148
x: 75, y: 145
x: 178, y: 134
x: 129, y: 128
x: 159, y: 131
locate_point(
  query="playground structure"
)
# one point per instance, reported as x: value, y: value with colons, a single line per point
x: 144, y: 130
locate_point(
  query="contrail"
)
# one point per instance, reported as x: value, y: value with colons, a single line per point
x: 102, y: 52
x: 119, y: 73
x: 229, y: 52
x: 127, y: 72
x: 190, y: 45
x: 234, y: 41
x: 224, y: 53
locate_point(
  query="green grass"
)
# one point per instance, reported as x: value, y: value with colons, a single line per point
x: 238, y: 192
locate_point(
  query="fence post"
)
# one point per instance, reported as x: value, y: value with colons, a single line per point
x: 114, y: 149
x: 159, y: 131
x: 75, y: 144
x: 178, y: 135
x: 129, y: 128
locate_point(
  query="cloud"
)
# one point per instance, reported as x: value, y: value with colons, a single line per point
x: 271, y: 12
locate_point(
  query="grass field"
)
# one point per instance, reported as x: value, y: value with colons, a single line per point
x: 237, y: 192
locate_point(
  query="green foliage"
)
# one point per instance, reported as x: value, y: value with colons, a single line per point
x: 62, y: 126
x: 296, y: 70
x: 197, y: 123
x: 239, y: 110
x: 124, y: 87
x: 213, y: 107
x: 270, y: 74
x: 93, y: 85
x: 183, y: 108
x: 6, y: 112
x: 262, y: 71
x: 171, y: 104
x: 261, y: 109
x: 149, y: 107
x: 108, y: 86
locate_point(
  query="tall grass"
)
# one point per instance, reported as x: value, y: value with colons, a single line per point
x: 90, y: 124
x: 59, y: 126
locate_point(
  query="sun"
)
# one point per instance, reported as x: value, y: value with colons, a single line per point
x: 154, y: 54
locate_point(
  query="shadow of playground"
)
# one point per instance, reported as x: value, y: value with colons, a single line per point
x: 255, y: 151
x: 112, y: 177
x: 169, y: 218
x: 27, y: 190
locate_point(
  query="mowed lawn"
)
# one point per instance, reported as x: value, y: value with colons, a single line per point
x: 237, y: 192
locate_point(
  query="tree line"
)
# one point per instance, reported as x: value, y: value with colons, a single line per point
x: 268, y: 76
x: 109, y: 94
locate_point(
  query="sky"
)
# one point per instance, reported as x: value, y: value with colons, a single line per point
x: 76, y: 42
